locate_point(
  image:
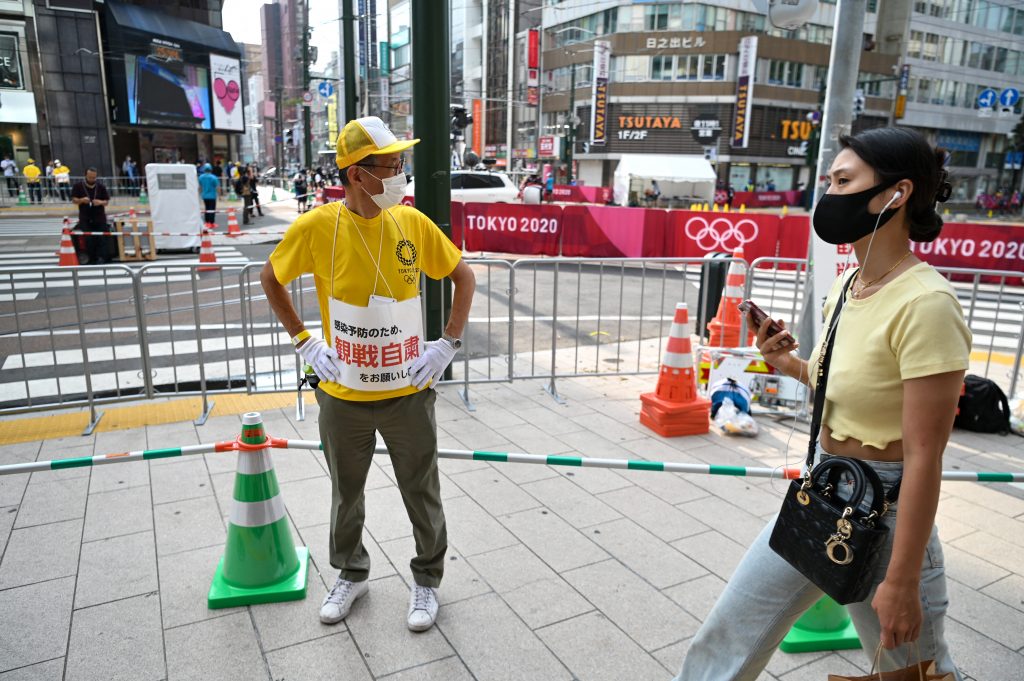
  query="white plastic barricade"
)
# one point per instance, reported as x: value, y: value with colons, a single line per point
x: 174, y: 204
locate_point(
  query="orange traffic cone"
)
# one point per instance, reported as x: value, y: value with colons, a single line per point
x: 675, y: 408
x: 725, y: 327
x: 131, y: 213
x: 233, y: 228
x: 68, y: 257
x: 319, y: 197
x: 206, y: 253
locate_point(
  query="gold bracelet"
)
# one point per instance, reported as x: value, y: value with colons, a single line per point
x: 299, y: 337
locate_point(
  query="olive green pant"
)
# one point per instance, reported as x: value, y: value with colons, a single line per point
x: 348, y: 433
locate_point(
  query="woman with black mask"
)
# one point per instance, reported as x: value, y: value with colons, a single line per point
x: 899, y: 352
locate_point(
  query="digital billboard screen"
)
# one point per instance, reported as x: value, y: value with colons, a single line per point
x: 166, y: 93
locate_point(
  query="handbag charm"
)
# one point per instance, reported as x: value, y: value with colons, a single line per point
x: 838, y: 540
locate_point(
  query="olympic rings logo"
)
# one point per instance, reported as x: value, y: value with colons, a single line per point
x: 720, y: 233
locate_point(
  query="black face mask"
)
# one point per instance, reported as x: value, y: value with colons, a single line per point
x: 845, y: 218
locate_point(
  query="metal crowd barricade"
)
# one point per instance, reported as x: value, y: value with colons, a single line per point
x: 74, y: 342
x: 89, y: 336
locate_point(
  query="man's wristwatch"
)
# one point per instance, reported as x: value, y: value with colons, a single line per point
x: 456, y: 343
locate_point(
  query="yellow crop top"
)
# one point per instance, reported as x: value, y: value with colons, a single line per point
x: 911, y: 328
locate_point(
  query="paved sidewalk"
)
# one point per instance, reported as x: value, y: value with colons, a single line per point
x: 553, y: 573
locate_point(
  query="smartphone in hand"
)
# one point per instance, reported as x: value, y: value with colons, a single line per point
x: 758, y: 315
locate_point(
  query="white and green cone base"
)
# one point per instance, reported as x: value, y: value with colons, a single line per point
x: 292, y: 588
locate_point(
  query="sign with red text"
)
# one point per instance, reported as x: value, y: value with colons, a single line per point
x: 510, y: 228
x: 979, y: 247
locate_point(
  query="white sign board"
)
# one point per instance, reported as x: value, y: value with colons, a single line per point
x: 174, y: 204
x: 226, y: 82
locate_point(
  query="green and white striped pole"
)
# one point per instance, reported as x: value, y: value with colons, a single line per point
x: 261, y: 563
x: 494, y: 457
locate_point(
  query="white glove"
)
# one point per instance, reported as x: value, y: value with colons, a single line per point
x: 319, y: 356
x: 429, y: 367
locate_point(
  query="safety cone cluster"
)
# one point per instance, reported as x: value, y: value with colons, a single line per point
x: 675, y: 408
x: 724, y: 329
x: 261, y: 563
x: 206, y: 252
x: 22, y: 199
x: 233, y: 227
x: 68, y: 257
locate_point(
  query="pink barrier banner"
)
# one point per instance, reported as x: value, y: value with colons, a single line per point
x: 975, y: 246
x: 692, y: 234
x: 577, y: 194
x: 510, y: 228
x: 613, y: 232
x: 794, y: 236
x: 765, y: 199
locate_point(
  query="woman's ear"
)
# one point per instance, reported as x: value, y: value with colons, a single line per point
x: 904, y: 188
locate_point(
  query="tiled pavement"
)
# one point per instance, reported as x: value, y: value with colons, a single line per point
x: 552, y: 573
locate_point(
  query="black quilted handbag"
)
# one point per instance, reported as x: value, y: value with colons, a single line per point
x: 828, y: 539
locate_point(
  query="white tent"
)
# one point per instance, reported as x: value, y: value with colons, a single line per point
x: 174, y: 204
x: 687, y: 179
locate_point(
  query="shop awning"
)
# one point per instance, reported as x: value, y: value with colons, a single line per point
x: 158, y: 24
x: 682, y: 176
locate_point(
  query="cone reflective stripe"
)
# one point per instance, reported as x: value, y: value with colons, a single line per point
x: 261, y: 563
x: 233, y: 227
x: 675, y: 408
x: 68, y: 257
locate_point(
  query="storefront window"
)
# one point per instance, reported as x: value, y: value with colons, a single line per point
x: 10, y: 62
x: 739, y: 176
x: 687, y: 66
x: 774, y: 178
x: 661, y: 67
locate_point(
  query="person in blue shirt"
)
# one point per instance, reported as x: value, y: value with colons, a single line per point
x: 208, y: 187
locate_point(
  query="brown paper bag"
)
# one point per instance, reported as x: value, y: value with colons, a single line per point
x: 922, y: 671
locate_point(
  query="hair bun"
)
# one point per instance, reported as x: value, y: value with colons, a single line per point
x: 945, y: 189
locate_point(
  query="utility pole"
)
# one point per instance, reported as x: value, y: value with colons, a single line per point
x: 837, y: 119
x: 570, y: 138
x: 279, y: 126
x: 510, y: 81
x: 349, y: 48
x: 431, y: 79
x: 307, y: 133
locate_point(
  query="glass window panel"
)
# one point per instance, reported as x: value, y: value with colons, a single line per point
x: 914, y: 46
x: 675, y: 17
x: 1018, y: 23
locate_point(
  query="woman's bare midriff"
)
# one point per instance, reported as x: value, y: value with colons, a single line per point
x: 856, y: 449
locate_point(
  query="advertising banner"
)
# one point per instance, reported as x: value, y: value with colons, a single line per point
x: 581, y: 194
x: 478, y: 126
x: 974, y: 246
x: 226, y: 74
x: 613, y: 232
x: 10, y: 62
x: 766, y: 199
x: 511, y: 228
x: 165, y: 93
x: 599, y: 93
x: 692, y: 234
x: 744, y: 92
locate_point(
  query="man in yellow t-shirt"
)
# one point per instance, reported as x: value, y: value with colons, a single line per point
x: 366, y: 256
x: 35, y: 190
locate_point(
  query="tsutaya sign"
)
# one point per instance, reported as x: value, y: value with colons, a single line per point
x: 599, y: 93
x: 744, y: 92
x: 637, y: 127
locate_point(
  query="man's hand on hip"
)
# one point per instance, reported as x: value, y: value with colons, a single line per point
x: 319, y: 356
x: 429, y: 367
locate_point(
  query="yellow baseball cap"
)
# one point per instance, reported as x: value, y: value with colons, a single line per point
x: 364, y: 137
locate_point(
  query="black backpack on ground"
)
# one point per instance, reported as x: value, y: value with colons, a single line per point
x: 983, y: 407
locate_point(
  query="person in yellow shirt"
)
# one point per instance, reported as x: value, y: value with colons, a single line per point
x: 62, y: 175
x: 899, y: 350
x: 366, y: 255
x: 32, y: 172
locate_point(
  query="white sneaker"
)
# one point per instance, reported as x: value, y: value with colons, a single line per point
x: 340, y: 599
x: 422, y: 607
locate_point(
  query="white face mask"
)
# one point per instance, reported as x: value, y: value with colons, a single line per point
x: 394, y: 191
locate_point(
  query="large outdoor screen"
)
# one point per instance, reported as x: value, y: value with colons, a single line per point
x: 167, y: 93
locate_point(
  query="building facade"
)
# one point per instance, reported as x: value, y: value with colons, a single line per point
x: 90, y: 83
x: 674, y: 63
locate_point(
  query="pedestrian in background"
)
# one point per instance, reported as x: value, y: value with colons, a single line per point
x: 31, y: 172
x: 49, y: 188
x: 91, y: 197
x: 10, y: 169
x: 130, y: 171
x: 218, y: 172
x: 301, y: 188
x: 209, y: 186
x: 243, y: 190
x: 254, y: 190
x: 62, y: 175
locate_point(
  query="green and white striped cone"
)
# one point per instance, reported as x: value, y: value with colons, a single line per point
x: 261, y: 563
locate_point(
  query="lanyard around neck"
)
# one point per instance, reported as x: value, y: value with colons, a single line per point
x: 380, y: 249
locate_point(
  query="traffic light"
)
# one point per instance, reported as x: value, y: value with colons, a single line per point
x: 289, y: 137
x: 460, y: 118
x: 858, y: 102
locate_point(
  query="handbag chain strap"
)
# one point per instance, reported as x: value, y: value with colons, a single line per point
x: 821, y: 382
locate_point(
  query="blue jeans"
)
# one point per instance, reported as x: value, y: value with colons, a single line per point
x: 766, y: 595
